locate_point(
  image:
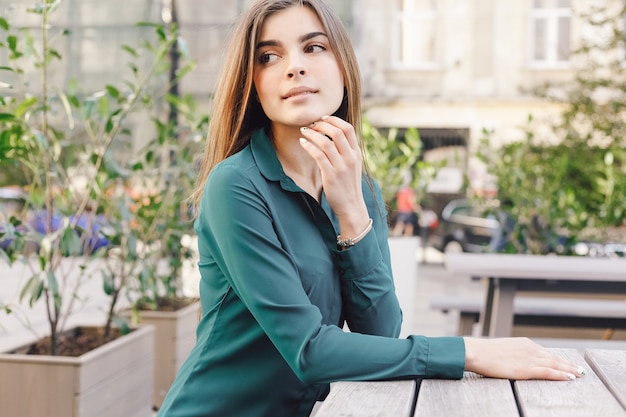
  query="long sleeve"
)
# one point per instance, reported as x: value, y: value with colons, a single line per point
x: 275, y: 292
x: 370, y: 305
x: 250, y: 248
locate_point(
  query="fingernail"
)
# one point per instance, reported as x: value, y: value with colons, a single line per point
x: 571, y: 376
x: 303, y: 140
x: 324, y: 117
x: 304, y: 129
x: 581, y: 371
x: 312, y: 124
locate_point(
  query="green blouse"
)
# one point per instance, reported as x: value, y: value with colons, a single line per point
x: 276, y: 292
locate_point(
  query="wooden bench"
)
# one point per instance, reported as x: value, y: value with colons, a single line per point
x: 509, y: 276
x: 540, y: 311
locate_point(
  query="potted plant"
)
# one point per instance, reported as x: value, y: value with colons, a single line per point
x: 164, y: 181
x: 65, y: 143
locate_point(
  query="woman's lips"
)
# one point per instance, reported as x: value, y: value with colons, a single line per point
x: 299, y: 91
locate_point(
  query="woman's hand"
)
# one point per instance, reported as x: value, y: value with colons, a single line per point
x: 333, y: 144
x: 516, y: 358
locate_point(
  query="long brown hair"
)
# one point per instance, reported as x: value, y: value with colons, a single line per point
x: 236, y: 113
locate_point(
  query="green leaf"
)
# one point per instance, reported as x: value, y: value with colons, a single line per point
x: 122, y: 324
x: 12, y: 42
x: 4, y: 24
x: 161, y: 33
x: 112, y: 167
x: 131, y: 51
x: 88, y: 108
x: 103, y: 108
x: 55, y: 54
x: 25, y: 106
x: 183, y: 47
x: 134, y: 69
x: 72, y: 87
x: 185, y: 70
x: 132, y: 246
x: 108, y: 128
x: 147, y: 24
x: 7, y: 117
x: 53, y: 287
x: 74, y: 101
x: 42, y: 140
x: 68, y: 109
x: 33, y: 289
x: 110, y: 123
x: 113, y: 92
x: 108, y: 285
x: 71, y: 244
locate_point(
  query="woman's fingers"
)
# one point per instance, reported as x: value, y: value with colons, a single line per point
x: 337, y: 140
x: 517, y: 358
x: 338, y: 131
x: 328, y: 142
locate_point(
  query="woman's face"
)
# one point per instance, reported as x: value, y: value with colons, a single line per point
x: 296, y: 74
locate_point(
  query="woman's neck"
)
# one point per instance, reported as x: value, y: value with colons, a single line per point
x: 296, y: 162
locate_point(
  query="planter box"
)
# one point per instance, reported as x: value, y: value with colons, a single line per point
x: 403, y: 252
x: 175, y: 336
x: 112, y: 380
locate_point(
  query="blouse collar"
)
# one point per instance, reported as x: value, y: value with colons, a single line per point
x: 266, y: 159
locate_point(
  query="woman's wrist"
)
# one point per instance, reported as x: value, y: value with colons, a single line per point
x: 344, y: 242
x: 470, y: 350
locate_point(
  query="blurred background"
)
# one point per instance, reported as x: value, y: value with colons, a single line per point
x: 469, y: 76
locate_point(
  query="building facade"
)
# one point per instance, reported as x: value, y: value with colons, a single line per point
x: 451, y: 68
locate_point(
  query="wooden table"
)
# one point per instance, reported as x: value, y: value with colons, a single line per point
x: 600, y: 393
x: 509, y: 274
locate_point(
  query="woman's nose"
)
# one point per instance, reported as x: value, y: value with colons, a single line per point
x: 296, y: 67
x: 293, y: 71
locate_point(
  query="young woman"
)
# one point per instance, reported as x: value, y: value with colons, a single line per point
x: 293, y: 238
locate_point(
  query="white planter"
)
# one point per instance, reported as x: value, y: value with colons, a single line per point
x: 404, y: 267
x: 175, y: 336
x: 113, y: 380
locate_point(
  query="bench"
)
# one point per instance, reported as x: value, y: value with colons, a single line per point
x: 540, y: 311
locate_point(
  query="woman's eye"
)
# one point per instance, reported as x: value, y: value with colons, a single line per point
x: 267, y: 58
x: 315, y: 48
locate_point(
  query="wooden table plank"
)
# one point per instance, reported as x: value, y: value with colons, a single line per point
x: 485, y: 397
x: 369, y: 399
x: 582, y: 397
x: 610, y: 365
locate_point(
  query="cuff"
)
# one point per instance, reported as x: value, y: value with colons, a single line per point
x: 446, y: 357
x: 360, y: 259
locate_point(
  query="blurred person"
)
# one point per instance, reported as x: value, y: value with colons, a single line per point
x: 292, y: 238
x: 407, y: 207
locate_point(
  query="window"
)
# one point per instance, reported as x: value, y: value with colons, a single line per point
x: 550, y: 32
x: 414, y: 24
